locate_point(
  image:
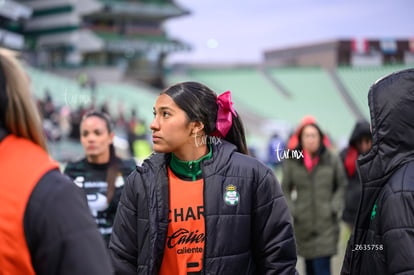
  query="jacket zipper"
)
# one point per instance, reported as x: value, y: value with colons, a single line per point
x: 355, y: 229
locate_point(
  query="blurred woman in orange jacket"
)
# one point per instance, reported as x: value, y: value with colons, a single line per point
x: 45, y: 223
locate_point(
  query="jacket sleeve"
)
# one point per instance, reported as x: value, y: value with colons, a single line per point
x: 123, y: 241
x: 346, y: 265
x: 274, y: 245
x: 397, y: 222
x: 61, y: 234
x: 338, y: 200
x: 287, y: 185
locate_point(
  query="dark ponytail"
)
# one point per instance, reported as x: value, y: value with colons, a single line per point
x: 112, y: 173
x: 236, y: 135
x: 113, y: 166
x: 200, y: 104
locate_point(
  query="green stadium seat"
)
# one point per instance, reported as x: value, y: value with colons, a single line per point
x: 314, y: 93
x: 358, y: 80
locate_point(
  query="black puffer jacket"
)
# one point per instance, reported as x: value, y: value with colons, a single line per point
x: 253, y: 237
x: 383, y: 238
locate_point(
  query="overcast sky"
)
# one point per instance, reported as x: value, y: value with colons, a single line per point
x: 240, y: 30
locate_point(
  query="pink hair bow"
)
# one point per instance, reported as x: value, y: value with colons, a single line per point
x: 224, y: 118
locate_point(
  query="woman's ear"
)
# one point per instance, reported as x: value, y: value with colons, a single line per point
x: 111, y: 137
x: 197, y: 127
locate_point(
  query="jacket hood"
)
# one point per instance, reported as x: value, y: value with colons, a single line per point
x: 391, y: 104
x: 361, y: 129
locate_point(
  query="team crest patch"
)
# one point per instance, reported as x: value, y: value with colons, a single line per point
x: 231, y: 196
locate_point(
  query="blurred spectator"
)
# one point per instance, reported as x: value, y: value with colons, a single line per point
x: 121, y: 122
x: 45, y: 224
x: 105, y: 108
x: 52, y: 130
x: 75, y: 119
x: 92, y: 85
x: 50, y: 117
x: 274, y: 150
x: 294, y: 139
x: 47, y: 107
x: 359, y: 144
x: 137, y: 137
x: 121, y: 125
x: 83, y: 79
x: 316, y: 175
x: 101, y: 174
x: 133, y: 120
x: 64, y: 121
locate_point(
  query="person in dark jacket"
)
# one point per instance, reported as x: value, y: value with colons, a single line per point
x: 359, y: 144
x: 45, y: 223
x: 316, y: 175
x: 383, y: 239
x: 101, y: 174
x: 200, y: 204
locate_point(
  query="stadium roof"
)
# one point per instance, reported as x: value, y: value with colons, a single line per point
x: 81, y: 7
x: 13, y: 10
x: 11, y: 40
x: 83, y: 40
x: 121, y: 43
x: 146, y: 11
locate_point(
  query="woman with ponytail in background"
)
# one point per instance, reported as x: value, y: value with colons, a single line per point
x: 101, y: 174
x: 200, y: 204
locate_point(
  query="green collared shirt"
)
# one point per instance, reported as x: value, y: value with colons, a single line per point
x: 188, y: 169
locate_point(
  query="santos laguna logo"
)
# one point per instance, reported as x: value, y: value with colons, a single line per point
x: 231, y: 196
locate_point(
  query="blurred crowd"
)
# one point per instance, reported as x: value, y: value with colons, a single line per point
x: 62, y: 123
